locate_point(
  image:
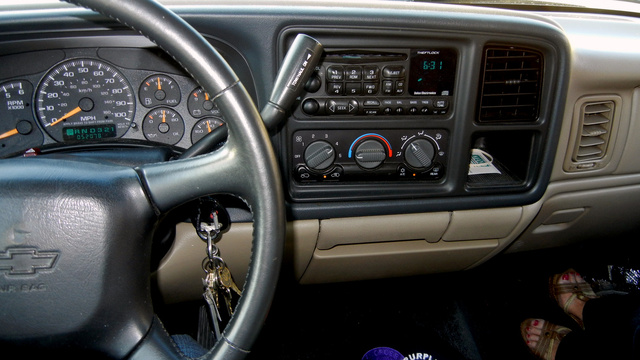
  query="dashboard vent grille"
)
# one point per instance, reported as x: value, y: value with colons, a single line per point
x: 511, y: 85
x: 596, y: 120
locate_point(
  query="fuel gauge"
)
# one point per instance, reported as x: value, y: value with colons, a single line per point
x: 159, y: 90
x: 18, y: 131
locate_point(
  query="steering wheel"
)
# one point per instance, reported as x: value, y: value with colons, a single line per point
x: 75, y: 237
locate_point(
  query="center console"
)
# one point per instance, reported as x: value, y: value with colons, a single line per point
x: 441, y: 117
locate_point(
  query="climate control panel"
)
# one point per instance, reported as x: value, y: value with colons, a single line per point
x: 369, y: 155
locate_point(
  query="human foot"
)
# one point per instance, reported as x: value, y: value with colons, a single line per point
x: 571, y: 293
x: 542, y: 337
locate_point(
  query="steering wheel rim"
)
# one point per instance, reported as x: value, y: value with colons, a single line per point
x: 245, y: 166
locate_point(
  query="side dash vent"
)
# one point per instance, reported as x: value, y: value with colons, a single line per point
x: 511, y: 85
x: 596, y: 120
x: 596, y: 127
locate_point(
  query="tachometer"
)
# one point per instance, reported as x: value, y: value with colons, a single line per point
x: 84, y: 100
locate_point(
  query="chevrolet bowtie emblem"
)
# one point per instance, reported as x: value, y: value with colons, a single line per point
x: 26, y: 261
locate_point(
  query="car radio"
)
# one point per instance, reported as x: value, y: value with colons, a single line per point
x: 370, y: 83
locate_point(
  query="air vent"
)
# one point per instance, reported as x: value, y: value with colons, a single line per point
x: 593, y: 134
x: 511, y: 85
x: 596, y: 121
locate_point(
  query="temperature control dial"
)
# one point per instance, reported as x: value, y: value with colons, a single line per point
x: 319, y: 155
x: 420, y: 154
x: 369, y: 154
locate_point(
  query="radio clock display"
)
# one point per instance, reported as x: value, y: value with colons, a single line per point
x: 432, y: 72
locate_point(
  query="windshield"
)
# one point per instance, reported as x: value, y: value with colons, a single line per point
x: 631, y: 7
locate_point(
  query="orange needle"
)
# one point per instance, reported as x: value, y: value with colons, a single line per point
x: 159, y: 84
x: 206, y: 96
x: 15, y: 132
x: 67, y: 115
x: 208, y: 127
x: 164, y: 116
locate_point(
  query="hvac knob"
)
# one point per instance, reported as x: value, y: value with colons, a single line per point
x: 369, y: 154
x: 319, y: 155
x: 420, y: 153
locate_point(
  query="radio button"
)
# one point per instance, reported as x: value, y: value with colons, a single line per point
x: 354, y: 88
x: 353, y: 73
x: 393, y: 71
x: 371, y: 73
x: 335, y: 88
x: 441, y: 104
x: 335, y: 73
x: 370, y: 88
x: 387, y: 87
x: 339, y: 107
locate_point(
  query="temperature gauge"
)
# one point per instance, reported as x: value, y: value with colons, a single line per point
x: 203, y: 127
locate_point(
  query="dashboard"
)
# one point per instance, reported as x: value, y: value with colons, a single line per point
x: 430, y: 137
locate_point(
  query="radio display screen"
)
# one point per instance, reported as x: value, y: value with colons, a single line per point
x: 432, y: 72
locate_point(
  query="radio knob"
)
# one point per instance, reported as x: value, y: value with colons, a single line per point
x: 313, y: 84
x: 370, y: 154
x: 420, y: 153
x: 310, y: 106
x: 319, y: 155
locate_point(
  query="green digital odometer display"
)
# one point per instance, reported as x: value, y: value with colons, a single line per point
x: 88, y: 133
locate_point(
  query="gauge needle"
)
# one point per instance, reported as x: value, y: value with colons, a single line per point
x: 159, y: 84
x: 15, y: 132
x: 208, y: 127
x: 66, y: 116
x: 164, y: 116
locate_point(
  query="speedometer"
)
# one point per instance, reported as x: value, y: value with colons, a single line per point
x: 84, y: 100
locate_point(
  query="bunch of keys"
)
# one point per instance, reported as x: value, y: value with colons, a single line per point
x: 217, y: 281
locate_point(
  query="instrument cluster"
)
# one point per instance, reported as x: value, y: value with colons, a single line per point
x: 86, y: 99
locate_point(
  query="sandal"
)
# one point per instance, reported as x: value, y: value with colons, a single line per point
x: 551, y: 334
x: 581, y: 291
